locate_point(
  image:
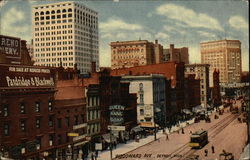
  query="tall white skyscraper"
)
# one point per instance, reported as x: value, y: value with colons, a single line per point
x: 65, y: 33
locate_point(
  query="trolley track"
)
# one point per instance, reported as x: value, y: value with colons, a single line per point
x: 212, y: 135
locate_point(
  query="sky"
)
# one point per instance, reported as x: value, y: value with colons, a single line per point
x: 182, y: 23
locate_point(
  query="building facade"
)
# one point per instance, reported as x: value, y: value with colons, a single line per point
x: 67, y: 33
x: 151, y: 97
x: 192, y: 87
x: 127, y: 54
x: 225, y: 56
x: 176, y: 54
x: 201, y: 72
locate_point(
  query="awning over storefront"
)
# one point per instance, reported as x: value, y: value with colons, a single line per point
x: 148, y: 124
x: 106, y: 137
x: 187, y: 111
x: 198, y: 109
x: 137, y: 129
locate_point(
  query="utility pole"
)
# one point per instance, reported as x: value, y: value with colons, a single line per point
x: 110, y: 146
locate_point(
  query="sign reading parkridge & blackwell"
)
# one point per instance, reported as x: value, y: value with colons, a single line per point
x: 25, y: 76
x: 10, y: 46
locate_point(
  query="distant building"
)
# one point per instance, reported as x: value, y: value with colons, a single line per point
x: 127, y: 54
x: 31, y: 50
x: 151, y: 97
x: 201, y: 72
x: 66, y: 33
x: 225, y: 56
x: 176, y: 54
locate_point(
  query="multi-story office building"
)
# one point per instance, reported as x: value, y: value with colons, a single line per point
x: 151, y: 97
x: 135, y: 53
x: 201, y: 72
x: 225, y: 56
x: 66, y: 33
x: 176, y: 54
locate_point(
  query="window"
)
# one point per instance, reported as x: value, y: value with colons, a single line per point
x: 141, y: 111
x: 67, y: 122
x: 59, y: 123
x: 51, y: 118
x: 141, y: 87
x: 38, y: 123
x: 141, y: 98
x: 51, y: 139
x: 59, y: 139
x: 22, y: 125
x: 22, y: 108
x: 82, y: 117
x: 38, y: 142
x: 50, y: 106
x: 76, y: 120
x: 37, y: 107
x: 5, y: 110
x: 6, y: 129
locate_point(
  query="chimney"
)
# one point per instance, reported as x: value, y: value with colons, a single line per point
x: 93, y: 67
x: 171, y: 46
x: 156, y: 41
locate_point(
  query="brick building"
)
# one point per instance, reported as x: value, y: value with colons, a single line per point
x: 26, y: 103
x: 176, y: 54
x: 127, y: 54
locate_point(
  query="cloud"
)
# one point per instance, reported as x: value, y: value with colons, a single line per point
x: 118, y: 24
x: 13, y: 24
x: 162, y: 35
x: 2, y: 3
x: 188, y: 16
x: 238, y: 23
x: 206, y: 34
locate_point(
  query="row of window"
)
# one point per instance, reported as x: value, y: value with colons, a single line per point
x: 53, y: 17
x: 38, y: 122
x: 54, y: 27
x: 53, y: 12
x: 6, y: 110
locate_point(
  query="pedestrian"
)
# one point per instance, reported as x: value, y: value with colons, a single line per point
x: 206, y: 152
x: 182, y: 130
x: 167, y: 137
x: 190, y: 132
x: 212, y: 149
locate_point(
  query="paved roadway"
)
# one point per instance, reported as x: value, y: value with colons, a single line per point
x: 224, y: 134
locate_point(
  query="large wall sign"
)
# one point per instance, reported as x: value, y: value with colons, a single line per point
x: 25, y: 76
x: 10, y: 47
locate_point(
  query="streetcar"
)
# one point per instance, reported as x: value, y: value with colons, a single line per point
x: 198, y: 139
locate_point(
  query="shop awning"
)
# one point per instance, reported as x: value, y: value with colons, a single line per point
x: 137, y: 129
x: 187, y: 111
x: 106, y: 137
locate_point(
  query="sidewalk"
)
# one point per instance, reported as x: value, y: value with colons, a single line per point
x: 132, y: 145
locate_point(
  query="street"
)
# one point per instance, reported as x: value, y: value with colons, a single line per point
x: 225, y: 133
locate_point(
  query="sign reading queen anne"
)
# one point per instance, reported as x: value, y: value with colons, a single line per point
x: 116, y: 114
x: 20, y: 76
